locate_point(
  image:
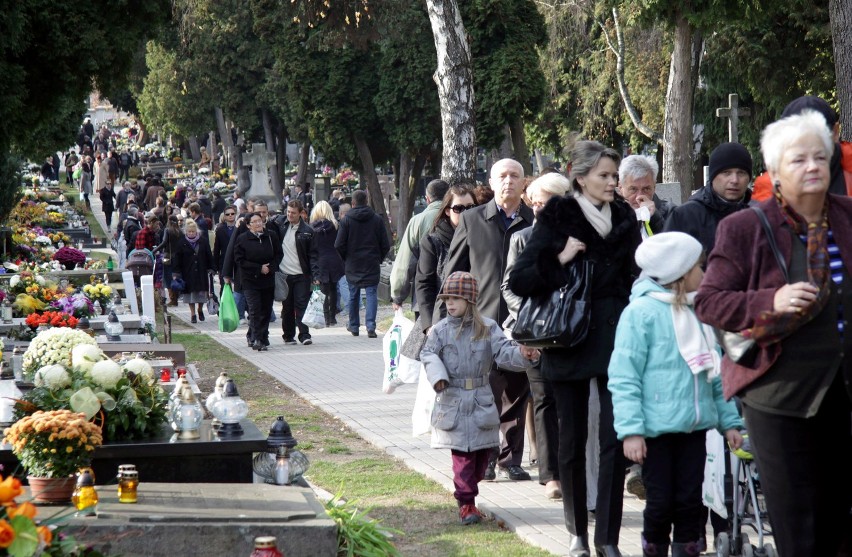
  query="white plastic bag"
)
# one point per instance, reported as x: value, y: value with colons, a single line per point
x: 314, y: 314
x: 421, y: 416
x: 713, y: 489
x: 392, y: 346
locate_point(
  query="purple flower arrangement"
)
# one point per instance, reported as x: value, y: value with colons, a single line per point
x: 69, y: 256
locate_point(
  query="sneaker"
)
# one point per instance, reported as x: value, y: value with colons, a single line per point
x: 288, y: 340
x: 353, y: 331
x: 243, y: 322
x: 306, y: 341
x: 469, y: 514
x: 259, y: 346
x: 515, y: 473
x: 490, y: 474
x: 371, y: 334
x: 635, y: 486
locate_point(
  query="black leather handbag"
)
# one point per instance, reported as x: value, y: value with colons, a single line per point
x: 559, y: 319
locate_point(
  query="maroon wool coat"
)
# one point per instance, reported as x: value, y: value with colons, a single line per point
x: 742, y: 277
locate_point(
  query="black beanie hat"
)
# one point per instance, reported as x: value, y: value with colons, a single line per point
x: 810, y: 102
x: 729, y: 155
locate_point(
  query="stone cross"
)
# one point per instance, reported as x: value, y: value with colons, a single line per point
x: 733, y: 112
x: 259, y: 159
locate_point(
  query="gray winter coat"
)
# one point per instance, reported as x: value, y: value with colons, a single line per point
x: 465, y: 417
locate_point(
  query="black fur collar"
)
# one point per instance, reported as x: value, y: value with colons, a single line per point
x: 564, y: 216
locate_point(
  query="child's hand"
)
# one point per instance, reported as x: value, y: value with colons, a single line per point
x: 440, y: 386
x: 634, y: 448
x: 531, y: 354
x: 735, y: 440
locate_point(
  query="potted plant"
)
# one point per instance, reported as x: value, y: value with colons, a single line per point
x: 52, y: 446
x: 69, y: 257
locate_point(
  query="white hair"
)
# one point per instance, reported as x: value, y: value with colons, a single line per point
x: 638, y: 166
x: 553, y: 183
x: 778, y: 136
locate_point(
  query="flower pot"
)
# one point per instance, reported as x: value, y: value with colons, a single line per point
x: 69, y: 266
x: 51, y: 490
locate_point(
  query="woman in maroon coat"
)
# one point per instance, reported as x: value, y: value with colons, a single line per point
x: 796, y: 389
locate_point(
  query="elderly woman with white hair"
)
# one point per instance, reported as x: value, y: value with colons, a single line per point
x: 795, y: 389
x: 546, y: 424
x: 637, y: 184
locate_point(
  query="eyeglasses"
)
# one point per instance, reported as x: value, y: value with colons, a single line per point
x: 230, y: 214
x: 462, y: 208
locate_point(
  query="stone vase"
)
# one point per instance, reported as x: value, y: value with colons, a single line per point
x: 51, y: 490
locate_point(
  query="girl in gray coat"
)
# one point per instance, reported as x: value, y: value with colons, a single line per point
x: 459, y: 353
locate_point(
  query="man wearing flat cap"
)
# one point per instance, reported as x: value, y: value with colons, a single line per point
x: 726, y: 193
x: 841, y: 160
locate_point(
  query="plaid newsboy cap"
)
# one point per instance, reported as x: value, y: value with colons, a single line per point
x: 461, y: 285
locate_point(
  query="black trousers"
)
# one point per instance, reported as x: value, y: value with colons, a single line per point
x: 123, y: 173
x: 673, y: 472
x: 805, y: 475
x: 546, y: 426
x: 329, y: 307
x: 572, y: 407
x: 511, y: 392
x: 259, y: 303
x: 293, y: 308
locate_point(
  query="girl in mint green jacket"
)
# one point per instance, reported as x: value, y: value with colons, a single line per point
x: 666, y: 391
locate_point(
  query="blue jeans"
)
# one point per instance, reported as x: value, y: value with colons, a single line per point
x: 372, y: 307
x: 241, y: 304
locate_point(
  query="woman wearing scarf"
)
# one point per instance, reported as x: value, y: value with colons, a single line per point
x: 257, y: 254
x: 594, y: 224
x: 192, y: 261
x: 796, y: 389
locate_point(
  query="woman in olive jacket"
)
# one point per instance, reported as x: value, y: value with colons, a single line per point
x: 596, y: 225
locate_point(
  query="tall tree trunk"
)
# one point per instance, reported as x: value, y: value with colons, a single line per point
x: 243, y: 177
x: 302, y: 172
x: 840, y: 12
x: 454, y: 77
x: 506, y: 150
x: 281, y: 156
x: 677, y: 134
x: 519, y: 144
x: 269, y: 137
x: 213, y: 151
x: 193, y: 148
x: 539, y: 160
x: 403, y: 213
x: 225, y: 136
x: 368, y: 174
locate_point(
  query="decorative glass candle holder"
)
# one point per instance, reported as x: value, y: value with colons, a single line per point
x: 230, y: 410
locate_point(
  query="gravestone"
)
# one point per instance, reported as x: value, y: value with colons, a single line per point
x: 733, y: 112
x: 148, y: 301
x: 130, y: 291
x: 259, y: 159
x: 670, y: 191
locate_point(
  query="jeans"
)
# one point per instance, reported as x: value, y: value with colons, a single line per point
x: 240, y: 300
x: 372, y: 307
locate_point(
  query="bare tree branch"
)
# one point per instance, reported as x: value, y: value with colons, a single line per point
x: 618, y: 50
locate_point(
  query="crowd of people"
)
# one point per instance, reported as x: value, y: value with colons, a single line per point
x: 631, y: 402
x: 637, y: 396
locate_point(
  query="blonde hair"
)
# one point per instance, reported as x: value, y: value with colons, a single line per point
x: 190, y: 226
x: 323, y: 210
x: 474, y: 318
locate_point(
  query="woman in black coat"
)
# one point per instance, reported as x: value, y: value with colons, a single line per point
x: 434, y: 248
x: 257, y: 255
x: 329, y: 261
x: 107, y: 195
x: 602, y: 228
x: 193, y: 262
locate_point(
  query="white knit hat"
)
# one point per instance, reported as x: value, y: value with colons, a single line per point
x: 668, y: 256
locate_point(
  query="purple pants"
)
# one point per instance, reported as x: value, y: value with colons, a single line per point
x: 468, y: 471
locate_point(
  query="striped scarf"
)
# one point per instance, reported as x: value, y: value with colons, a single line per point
x: 771, y: 326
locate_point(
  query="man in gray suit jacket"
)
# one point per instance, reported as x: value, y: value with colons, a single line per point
x: 480, y: 246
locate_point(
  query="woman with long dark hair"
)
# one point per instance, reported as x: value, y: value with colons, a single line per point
x: 596, y: 225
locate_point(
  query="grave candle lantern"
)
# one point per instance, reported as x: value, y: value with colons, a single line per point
x: 113, y: 327
x: 230, y: 410
x: 187, y: 415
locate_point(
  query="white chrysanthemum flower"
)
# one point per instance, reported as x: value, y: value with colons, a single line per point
x: 53, y: 377
x: 84, y: 356
x: 106, y: 373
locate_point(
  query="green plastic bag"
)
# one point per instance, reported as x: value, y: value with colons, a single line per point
x: 77, y: 173
x: 229, y: 318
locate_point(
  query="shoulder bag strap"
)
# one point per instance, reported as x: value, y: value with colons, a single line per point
x: 772, y: 245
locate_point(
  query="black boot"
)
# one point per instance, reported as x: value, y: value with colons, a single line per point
x: 579, y: 546
x: 609, y: 550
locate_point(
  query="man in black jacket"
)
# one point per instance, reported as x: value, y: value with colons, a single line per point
x: 480, y: 246
x: 299, y: 264
x: 362, y: 242
x: 726, y: 193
